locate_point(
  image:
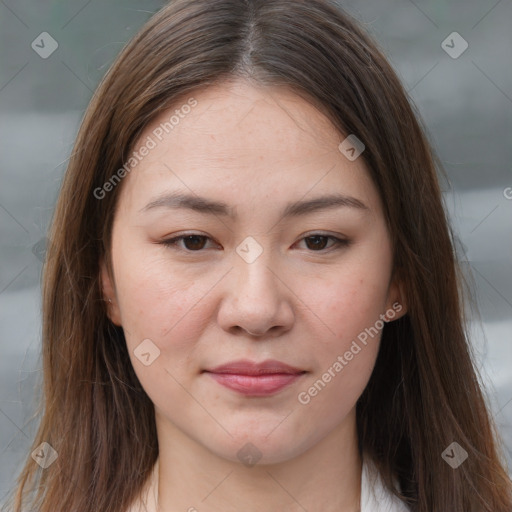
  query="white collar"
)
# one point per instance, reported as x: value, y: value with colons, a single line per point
x: 375, y: 497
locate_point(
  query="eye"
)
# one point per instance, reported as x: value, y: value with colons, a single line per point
x: 317, y: 242
x: 195, y: 242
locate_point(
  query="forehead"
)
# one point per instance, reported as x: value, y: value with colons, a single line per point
x: 247, y: 141
x: 235, y: 117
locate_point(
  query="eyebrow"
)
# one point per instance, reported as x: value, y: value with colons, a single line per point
x: 203, y: 205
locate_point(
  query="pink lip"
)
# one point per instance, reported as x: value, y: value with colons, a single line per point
x: 255, y: 379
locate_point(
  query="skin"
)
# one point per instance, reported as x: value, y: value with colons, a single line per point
x: 302, y: 301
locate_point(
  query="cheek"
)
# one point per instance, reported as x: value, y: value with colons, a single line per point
x: 349, y: 307
x: 349, y: 302
x: 157, y: 302
x: 166, y: 308
x: 333, y: 392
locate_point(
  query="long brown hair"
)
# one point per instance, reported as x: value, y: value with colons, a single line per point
x: 424, y: 392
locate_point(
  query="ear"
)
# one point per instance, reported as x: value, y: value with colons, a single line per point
x: 396, y: 304
x: 109, y: 294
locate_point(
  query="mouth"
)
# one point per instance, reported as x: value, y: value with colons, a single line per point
x: 255, y: 379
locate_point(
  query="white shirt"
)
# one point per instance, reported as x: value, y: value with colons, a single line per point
x: 374, y: 495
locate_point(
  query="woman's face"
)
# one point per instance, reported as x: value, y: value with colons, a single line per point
x: 263, y: 279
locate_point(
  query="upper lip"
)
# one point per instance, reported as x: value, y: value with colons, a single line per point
x: 247, y: 367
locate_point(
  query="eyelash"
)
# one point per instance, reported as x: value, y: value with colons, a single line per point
x: 172, y: 243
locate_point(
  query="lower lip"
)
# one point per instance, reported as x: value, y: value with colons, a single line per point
x: 256, y: 385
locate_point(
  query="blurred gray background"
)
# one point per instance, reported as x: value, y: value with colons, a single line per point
x: 464, y: 96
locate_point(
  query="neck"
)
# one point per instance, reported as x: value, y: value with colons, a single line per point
x: 324, y: 478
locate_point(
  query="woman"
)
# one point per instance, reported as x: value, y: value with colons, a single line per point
x: 251, y: 297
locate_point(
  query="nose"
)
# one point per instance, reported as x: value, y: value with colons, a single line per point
x: 257, y: 299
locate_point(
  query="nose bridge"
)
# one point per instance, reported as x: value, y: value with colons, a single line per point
x: 255, y: 300
x: 254, y: 277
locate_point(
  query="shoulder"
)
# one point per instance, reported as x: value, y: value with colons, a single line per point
x: 375, y: 497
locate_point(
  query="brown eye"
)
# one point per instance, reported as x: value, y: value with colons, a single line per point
x: 318, y: 242
x: 192, y: 243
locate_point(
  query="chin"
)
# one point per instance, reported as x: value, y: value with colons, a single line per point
x: 270, y: 443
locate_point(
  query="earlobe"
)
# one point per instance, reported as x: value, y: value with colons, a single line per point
x: 396, y: 306
x: 109, y: 294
